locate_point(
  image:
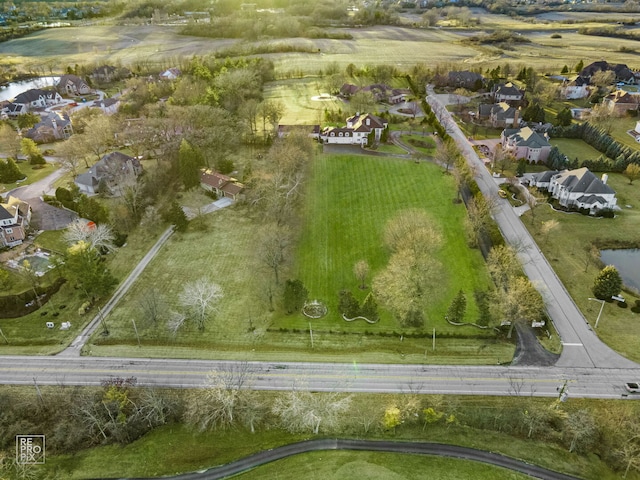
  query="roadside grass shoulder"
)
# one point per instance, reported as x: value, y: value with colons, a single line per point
x: 486, y: 423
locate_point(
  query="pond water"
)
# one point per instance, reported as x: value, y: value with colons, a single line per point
x: 12, y: 89
x: 627, y: 261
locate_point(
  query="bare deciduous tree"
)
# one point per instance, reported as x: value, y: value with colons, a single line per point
x: 225, y: 399
x: 200, y: 298
x: 152, y: 305
x: 300, y: 410
x: 273, y: 247
x: 361, y: 271
x: 99, y: 237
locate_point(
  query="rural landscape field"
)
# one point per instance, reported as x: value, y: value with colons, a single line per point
x: 383, y: 251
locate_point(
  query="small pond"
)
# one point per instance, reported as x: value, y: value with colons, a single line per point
x: 627, y: 261
x: 13, y: 89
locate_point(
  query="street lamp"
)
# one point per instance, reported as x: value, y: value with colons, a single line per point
x: 600, y: 313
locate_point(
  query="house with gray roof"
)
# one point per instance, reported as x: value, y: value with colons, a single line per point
x: 357, y: 131
x: 499, y: 115
x: 581, y: 189
x: 73, y: 85
x: 526, y: 143
x: 112, y: 172
x: 37, y: 98
x: 507, y: 92
x: 54, y: 126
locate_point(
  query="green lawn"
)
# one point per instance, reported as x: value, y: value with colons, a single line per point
x: 349, y: 199
x: 32, y: 174
x: 575, y: 148
x: 345, y: 218
x: 564, y: 247
x: 340, y: 465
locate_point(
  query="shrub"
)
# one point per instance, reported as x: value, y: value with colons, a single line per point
x: 556, y: 35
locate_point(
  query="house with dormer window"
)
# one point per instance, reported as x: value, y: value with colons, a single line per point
x: 357, y: 131
x: 15, y: 216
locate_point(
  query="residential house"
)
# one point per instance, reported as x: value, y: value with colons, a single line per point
x: 619, y: 102
x: 582, y: 189
x: 73, y: 85
x: 109, y: 106
x: 221, y: 185
x: 170, y: 74
x: 622, y: 73
x: 15, y: 216
x: 312, y: 131
x: 542, y: 180
x: 357, y: 131
x: 577, y: 88
x: 526, y: 143
x: 112, y: 172
x: 499, y: 115
x: 37, y: 98
x: 465, y: 79
x: 53, y: 126
x: 507, y: 92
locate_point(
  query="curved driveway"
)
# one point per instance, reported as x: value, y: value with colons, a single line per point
x: 581, y: 346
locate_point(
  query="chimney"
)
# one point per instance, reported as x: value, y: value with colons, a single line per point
x: 516, y: 118
x: 605, y: 178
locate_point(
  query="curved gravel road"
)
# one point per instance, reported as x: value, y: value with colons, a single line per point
x: 415, y: 448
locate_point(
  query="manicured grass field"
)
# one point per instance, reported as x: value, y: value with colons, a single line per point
x: 339, y: 465
x: 349, y: 202
x: 575, y: 148
x: 564, y: 247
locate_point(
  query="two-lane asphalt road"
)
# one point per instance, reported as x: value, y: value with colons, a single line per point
x: 375, y: 378
x: 581, y: 346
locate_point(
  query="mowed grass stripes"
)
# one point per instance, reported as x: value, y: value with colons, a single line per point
x: 349, y: 201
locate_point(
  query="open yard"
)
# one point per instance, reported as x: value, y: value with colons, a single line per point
x: 575, y: 148
x: 349, y: 199
x: 565, y: 249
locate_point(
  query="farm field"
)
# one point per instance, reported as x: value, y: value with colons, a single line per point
x: 402, y: 47
x: 340, y: 229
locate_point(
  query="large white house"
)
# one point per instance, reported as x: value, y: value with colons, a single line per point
x: 578, y: 188
x: 357, y: 131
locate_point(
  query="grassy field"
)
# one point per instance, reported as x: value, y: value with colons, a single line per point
x: 394, y: 45
x: 564, y: 248
x: 575, y: 148
x: 340, y: 229
x: 376, y: 466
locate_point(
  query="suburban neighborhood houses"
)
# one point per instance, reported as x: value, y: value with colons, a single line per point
x: 235, y: 231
